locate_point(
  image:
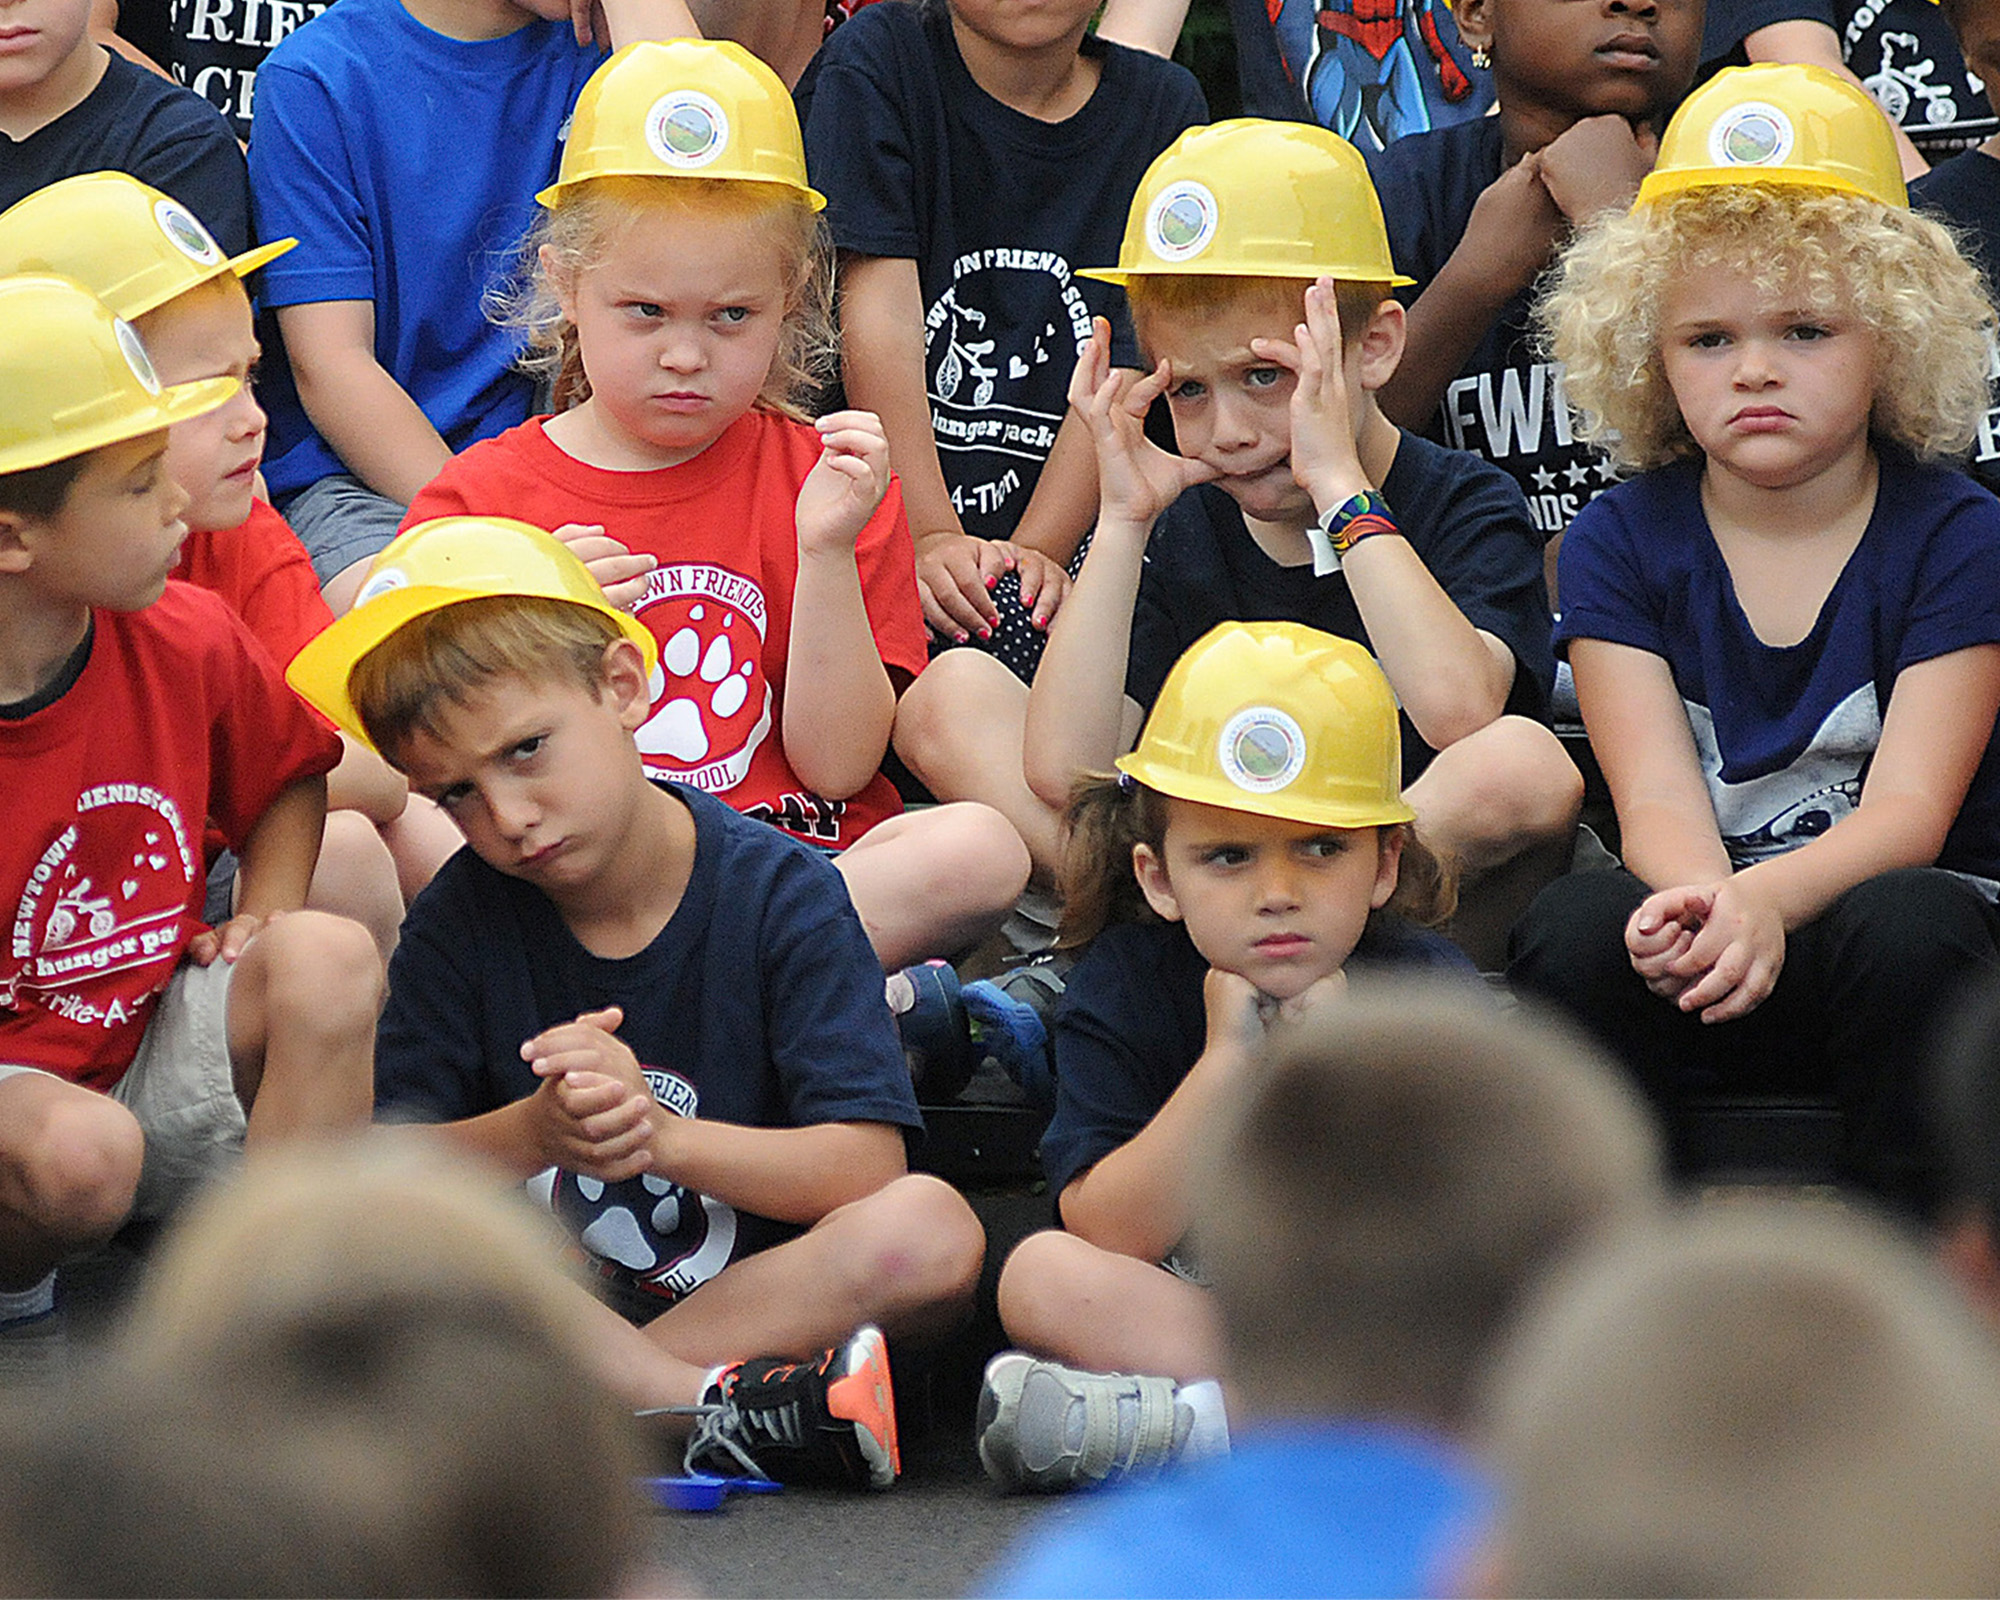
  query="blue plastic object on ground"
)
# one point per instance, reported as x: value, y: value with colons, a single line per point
x: 698, y: 1491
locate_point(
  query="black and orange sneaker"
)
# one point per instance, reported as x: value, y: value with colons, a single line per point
x: 829, y: 1421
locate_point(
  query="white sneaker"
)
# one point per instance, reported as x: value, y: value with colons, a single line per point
x: 1042, y: 1425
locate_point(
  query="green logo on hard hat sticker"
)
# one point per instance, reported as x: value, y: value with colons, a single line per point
x: 1261, y: 749
x: 135, y: 355
x: 686, y: 129
x: 1181, y: 221
x: 186, y: 234
x: 1751, y: 135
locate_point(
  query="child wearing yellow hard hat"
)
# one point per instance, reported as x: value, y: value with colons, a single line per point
x: 140, y: 1050
x: 1259, y: 274
x: 1785, y: 628
x: 1253, y: 858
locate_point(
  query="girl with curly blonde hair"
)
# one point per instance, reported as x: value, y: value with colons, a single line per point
x: 1785, y: 629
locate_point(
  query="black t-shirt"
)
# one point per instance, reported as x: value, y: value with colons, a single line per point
x: 135, y: 121
x: 1966, y: 191
x: 998, y: 210
x: 214, y: 47
x: 1506, y: 404
x: 1903, y: 51
x: 1462, y: 517
x: 1132, y: 1021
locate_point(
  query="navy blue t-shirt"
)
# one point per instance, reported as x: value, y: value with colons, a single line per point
x: 1132, y: 1021
x: 136, y: 122
x: 1965, y: 191
x: 759, y: 1003
x: 998, y: 210
x: 1785, y: 733
x: 1506, y: 404
x: 1462, y: 517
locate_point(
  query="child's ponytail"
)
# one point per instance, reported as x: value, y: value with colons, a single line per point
x: 1107, y: 816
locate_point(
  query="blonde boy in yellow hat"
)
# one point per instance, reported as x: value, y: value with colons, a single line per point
x: 138, y: 1048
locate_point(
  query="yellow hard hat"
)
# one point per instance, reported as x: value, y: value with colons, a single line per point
x: 77, y: 378
x: 1779, y: 123
x: 1256, y: 199
x: 685, y: 108
x: 1280, y: 720
x: 437, y: 564
x: 130, y: 245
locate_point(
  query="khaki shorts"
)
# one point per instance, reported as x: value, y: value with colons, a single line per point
x: 182, y: 1089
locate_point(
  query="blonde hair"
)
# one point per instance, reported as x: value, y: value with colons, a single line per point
x: 1180, y: 295
x: 574, y: 235
x: 443, y: 657
x: 1900, y: 272
x: 1109, y: 814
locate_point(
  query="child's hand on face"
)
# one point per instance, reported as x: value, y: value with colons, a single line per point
x: 1324, y: 460
x: 1240, y: 1015
x: 1512, y: 232
x: 845, y: 485
x: 1596, y: 165
x: 955, y: 574
x: 1136, y: 479
x: 620, y: 572
x: 595, y: 1111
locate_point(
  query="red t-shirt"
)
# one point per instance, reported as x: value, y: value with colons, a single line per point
x: 725, y: 531
x: 264, y: 573
x: 179, y: 714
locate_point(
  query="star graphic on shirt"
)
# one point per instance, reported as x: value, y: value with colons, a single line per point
x: 1606, y: 472
x: 1577, y: 473
x: 1544, y: 479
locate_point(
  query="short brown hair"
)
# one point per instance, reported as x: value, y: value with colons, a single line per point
x: 39, y: 492
x: 1203, y: 294
x: 1386, y: 1194
x: 443, y: 657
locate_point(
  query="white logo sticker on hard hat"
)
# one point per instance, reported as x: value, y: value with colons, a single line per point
x: 135, y: 355
x: 1261, y: 749
x: 381, y: 583
x: 1753, y: 134
x: 185, y: 233
x: 686, y: 128
x: 1181, y: 220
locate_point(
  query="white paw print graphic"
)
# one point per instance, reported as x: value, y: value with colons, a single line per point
x: 707, y: 671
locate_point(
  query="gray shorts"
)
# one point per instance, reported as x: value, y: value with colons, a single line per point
x: 340, y: 521
x: 182, y: 1089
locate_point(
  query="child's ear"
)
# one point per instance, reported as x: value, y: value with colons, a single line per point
x: 14, y: 553
x: 1388, y: 865
x: 622, y: 676
x: 1381, y: 344
x: 1154, y: 884
x: 1475, y: 23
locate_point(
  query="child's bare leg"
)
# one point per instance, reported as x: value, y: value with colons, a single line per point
x: 934, y: 883
x: 302, y: 1005
x: 1501, y: 804
x: 906, y: 1257
x: 1070, y: 1300
x: 69, y: 1169
x: 960, y: 727
x: 355, y: 878
x: 421, y: 840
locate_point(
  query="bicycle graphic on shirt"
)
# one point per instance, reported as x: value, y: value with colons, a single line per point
x: 962, y: 356
x: 1893, y: 87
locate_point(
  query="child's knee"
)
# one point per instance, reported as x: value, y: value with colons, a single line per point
x: 982, y: 859
x: 1511, y: 782
x: 356, y: 878
x: 1042, y: 1283
x: 926, y: 1245
x: 940, y: 718
x: 320, y: 970
x: 77, y: 1165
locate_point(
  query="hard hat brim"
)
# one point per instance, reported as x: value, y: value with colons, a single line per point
x: 320, y: 671
x: 1658, y: 186
x: 178, y: 402
x: 263, y: 255
x: 1217, y: 791
x: 548, y: 198
x: 1343, y: 273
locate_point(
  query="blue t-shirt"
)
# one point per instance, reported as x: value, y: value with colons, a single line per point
x: 759, y: 1003
x: 1506, y: 404
x: 1785, y: 733
x: 1295, y: 1508
x: 1965, y: 191
x: 998, y: 209
x: 406, y: 164
x: 135, y: 121
x: 1132, y: 1021
x: 1462, y: 517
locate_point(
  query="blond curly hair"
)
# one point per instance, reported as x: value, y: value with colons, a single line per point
x: 574, y: 236
x: 1900, y: 273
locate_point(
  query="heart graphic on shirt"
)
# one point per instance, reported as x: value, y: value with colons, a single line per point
x: 1016, y: 367
x: 129, y: 887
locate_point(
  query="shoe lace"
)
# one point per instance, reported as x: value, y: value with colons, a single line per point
x: 725, y: 1426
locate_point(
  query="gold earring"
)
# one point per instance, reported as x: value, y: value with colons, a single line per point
x: 1482, y: 58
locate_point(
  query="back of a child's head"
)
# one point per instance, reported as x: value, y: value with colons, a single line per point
x: 1756, y: 1397
x: 1248, y: 213
x: 700, y: 132
x: 1819, y: 222
x: 1391, y: 1188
